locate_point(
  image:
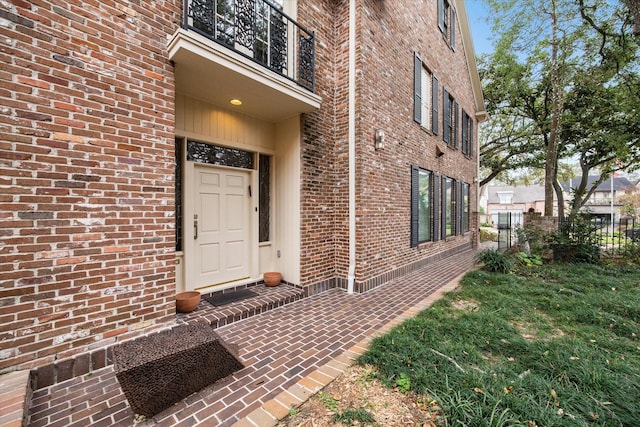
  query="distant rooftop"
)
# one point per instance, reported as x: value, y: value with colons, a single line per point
x: 619, y: 183
x: 521, y: 193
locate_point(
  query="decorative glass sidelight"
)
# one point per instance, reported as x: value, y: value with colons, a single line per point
x: 200, y: 152
x: 264, y: 168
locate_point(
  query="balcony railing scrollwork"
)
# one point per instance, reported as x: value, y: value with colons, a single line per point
x: 258, y: 30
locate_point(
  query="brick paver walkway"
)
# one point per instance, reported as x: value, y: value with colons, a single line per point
x: 289, y: 353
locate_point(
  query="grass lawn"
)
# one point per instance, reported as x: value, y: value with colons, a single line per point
x: 557, y: 347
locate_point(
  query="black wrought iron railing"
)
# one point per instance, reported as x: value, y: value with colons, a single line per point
x: 258, y: 30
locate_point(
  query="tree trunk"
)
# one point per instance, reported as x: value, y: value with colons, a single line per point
x: 634, y: 8
x: 551, y: 161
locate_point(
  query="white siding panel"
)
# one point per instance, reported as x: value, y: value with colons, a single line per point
x: 212, y: 123
x: 287, y: 199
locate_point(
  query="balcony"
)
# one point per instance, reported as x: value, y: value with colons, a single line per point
x: 246, y: 49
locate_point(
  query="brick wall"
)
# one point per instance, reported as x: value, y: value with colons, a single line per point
x: 324, y: 144
x: 86, y: 176
x: 388, y: 34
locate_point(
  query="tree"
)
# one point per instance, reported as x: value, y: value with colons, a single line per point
x: 630, y: 205
x: 544, y: 91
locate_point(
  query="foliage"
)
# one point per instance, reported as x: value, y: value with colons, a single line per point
x: 403, y: 382
x: 630, y: 205
x: 562, y: 84
x: 328, y: 401
x: 529, y: 260
x: 495, y: 261
x: 349, y: 416
x: 558, y: 348
x: 488, y: 234
x: 577, y: 240
x: 538, y: 240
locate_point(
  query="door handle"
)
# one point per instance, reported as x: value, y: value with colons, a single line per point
x: 195, y: 227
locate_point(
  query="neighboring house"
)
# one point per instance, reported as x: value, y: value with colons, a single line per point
x: 514, y: 200
x: 600, y: 201
x: 146, y: 151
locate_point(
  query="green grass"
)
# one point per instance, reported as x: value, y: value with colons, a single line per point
x: 556, y: 348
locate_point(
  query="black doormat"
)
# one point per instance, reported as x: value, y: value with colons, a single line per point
x: 219, y: 298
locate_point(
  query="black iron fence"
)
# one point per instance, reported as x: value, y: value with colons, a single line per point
x: 259, y: 31
x: 609, y: 236
x: 600, y: 234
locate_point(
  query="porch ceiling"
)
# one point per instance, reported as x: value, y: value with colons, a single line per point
x: 213, y: 73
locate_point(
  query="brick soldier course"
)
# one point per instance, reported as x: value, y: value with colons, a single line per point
x: 289, y: 354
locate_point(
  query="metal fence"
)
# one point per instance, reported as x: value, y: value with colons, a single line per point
x: 508, y: 225
x: 609, y: 236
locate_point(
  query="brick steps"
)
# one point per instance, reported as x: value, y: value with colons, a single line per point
x: 15, y: 397
x: 268, y: 298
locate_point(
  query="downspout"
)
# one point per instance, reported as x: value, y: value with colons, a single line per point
x: 352, y: 147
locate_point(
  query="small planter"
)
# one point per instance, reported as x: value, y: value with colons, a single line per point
x: 187, y: 301
x: 272, y: 278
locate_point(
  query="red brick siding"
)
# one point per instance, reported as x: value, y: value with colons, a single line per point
x: 388, y: 34
x: 324, y: 192
x: 86, y: 167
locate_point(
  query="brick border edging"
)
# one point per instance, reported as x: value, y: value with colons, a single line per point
x: 278, y: 408
x: 381, y: 279
x: 15, y: 398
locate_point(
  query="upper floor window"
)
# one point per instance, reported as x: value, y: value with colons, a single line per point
x: 467, y: 135
x: 506, y: 197
x: 449, y: 119
x: 447, y: 22
x: 425, y: 96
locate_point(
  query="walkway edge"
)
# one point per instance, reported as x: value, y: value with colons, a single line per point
x: 279, y: 407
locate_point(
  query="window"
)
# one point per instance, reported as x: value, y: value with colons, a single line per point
x: 264, y: 171
x: 449, y: 119
x: 465, y: 207
x: 178, y: 192
x: 425, y: 96
x: 448, y: 207
x: 200, y: 152
x: 506, y: 197
x: 420, y: 205
x: 467, y: 135
x: 447, y: 22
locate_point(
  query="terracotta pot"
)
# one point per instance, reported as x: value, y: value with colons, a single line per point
x: 272, y: 278
x: 187, y: 301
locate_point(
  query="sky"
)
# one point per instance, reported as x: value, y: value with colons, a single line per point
x: 477, y: 12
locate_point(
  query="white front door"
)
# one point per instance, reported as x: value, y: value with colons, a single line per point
x: 221, y: 225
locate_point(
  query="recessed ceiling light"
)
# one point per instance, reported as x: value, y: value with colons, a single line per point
x: 235, y: 102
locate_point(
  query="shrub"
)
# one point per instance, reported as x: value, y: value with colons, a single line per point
x: 576, y: 241
x: 488, y: 235
x: 495, y: 261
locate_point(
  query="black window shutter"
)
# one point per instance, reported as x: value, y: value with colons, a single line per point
x: 463, y: 137
x: 415, y: 194
x: 436, y: 207
x: 455, y: 124
x: 445, y: 206
x: 459, y: 208
x: 417, y: 88
x: 434, y: 105
x: 446, y: 117
x: 471, y: 131
x: 452, y: 27
x: 441, y: 15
